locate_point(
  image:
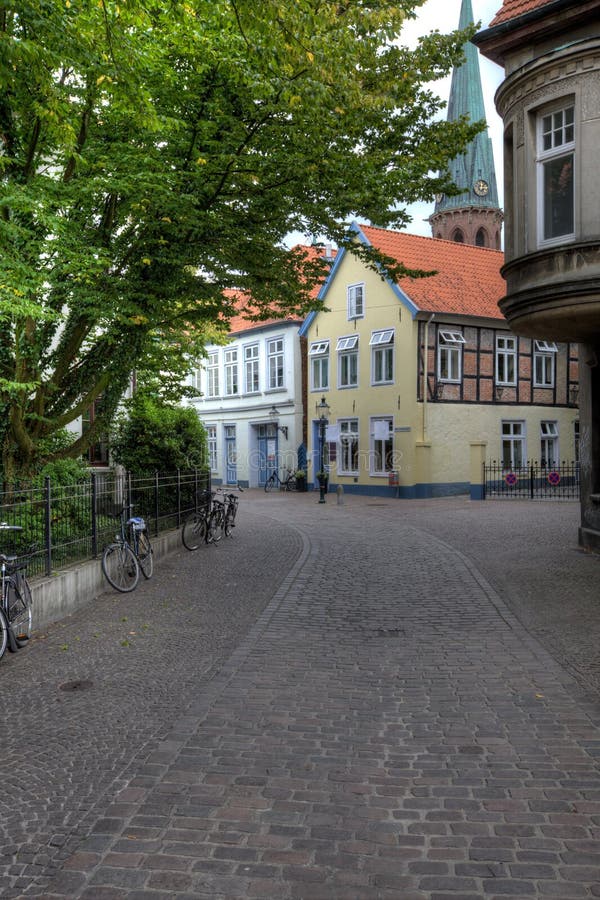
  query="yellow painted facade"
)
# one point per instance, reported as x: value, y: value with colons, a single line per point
x: 431, y: 441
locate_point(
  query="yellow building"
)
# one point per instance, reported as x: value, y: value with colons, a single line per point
x: 423, y: 378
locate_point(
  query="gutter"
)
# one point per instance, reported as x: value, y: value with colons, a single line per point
x: 425, y: 382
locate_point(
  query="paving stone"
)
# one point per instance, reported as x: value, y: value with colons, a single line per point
x: 352, y: 710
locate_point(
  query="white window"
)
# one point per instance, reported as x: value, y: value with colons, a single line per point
x: 347, y: 463
x: 211, y: 436
x: 319, y: 365
x: 231, y: 371
x: 506, y: 360
x: 275, y: 360
x: 382, y: 356
x: 556, y: 160
x: 382, y: 446
x: 513, y: 445
x: 450, y: 355
x: 212, y: 375
x: 356, y: 301
x: 251, y: 369
x: 347, y: 350
x: 549, y: 446
x: 544, y: 356
x: 197, y: 378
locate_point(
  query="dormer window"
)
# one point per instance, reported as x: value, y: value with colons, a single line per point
x: 356, y: 301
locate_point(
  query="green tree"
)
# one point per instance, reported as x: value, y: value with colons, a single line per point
x: 153, y: 154
x: 156, y: 436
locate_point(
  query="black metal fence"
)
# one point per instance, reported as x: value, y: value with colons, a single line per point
x: 533, y: 481
x: 65, y: 524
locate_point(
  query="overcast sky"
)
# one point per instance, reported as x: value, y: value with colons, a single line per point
x: 443, y: 15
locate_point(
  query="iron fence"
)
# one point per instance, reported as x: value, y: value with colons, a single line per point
x: 532, y: 480
x: 65, y: 524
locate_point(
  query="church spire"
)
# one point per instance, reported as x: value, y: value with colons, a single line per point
x: 473, y: 216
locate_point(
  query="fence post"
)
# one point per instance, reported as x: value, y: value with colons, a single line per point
x: 48, y: 527
x: 156, y: 506
x: 178, y: 497
x: 531, y: 475
x: 94, y: 515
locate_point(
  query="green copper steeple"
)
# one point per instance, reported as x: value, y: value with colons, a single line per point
x: 474, y: 170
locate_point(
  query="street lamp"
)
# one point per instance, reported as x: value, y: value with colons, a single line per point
x: 323, y: 417
x: 274, y: 414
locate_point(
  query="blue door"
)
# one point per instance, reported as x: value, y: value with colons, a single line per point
x: 267, y: 452
x: 230, y: 455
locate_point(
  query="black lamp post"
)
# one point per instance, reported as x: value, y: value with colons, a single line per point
x: 323, y: 416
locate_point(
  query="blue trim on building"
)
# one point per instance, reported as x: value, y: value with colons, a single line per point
x: 407, y: 492
x: 477, y: 492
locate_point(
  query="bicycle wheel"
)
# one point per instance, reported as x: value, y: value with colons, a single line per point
x: 230, y: 519
x: 291, y: 484
x: 193, y: 532
x: 3, y: 634
x: 270, y: 483
x: 215, y: 526
x: 20, y: 610
x: 120, y: 567
x: 145, y: 555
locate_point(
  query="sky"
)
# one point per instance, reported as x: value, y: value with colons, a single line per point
x: 443, y: 15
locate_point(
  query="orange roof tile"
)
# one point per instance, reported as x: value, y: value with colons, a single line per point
x: 468, y: 280
x: 512, y: 9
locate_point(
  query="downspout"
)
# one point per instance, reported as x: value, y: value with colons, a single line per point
x: 425, y: 379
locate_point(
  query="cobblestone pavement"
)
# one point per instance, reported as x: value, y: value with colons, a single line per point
x: 342, y: 702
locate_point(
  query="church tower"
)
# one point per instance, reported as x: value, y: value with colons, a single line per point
x: 474, y: 216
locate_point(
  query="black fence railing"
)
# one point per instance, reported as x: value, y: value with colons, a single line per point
x: 65, y: 524
x: 532, y: 480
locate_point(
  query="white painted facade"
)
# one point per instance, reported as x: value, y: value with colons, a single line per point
x: 251, y: 402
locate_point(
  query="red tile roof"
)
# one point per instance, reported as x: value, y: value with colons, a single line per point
x: 512, y: 9
x: 468, y: 280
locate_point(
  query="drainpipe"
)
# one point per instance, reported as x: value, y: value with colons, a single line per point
x: 425, y: 383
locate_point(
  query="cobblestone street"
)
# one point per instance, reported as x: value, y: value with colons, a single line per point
x: 378, y: 699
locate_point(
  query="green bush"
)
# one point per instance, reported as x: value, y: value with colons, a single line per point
x: 154, y: 436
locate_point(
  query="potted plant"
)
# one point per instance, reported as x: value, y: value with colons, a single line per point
x: 300, y: 479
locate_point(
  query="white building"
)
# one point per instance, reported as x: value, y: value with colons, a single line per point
x: 251, y: 401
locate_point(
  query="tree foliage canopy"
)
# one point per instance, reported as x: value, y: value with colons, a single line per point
x: 156, y: 436
x: 154, y: 153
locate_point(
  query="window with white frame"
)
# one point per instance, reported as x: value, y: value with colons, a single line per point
x: 319, y: 365
x: 356, y: 301
x: 556, y: 161
x: 212, y: 374
x: 347, y: 463
x: 231, y: 371
x: 506, y: 360
x: 251, y: 369
x: 275, y: 363
x: 449, y: 356
x: 549, y: 444
x: 197, y: 378
x: 513, y: 444
x: 544, y: 356
x: 347, y: 350
x: 382, y: 445
x: 211, y: 437
x: 382, y: 356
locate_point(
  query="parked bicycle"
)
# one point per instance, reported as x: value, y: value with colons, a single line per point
x: 288, y: 483
x: 195, y: 526
x: 130, y: 553
x: 16, y: 601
